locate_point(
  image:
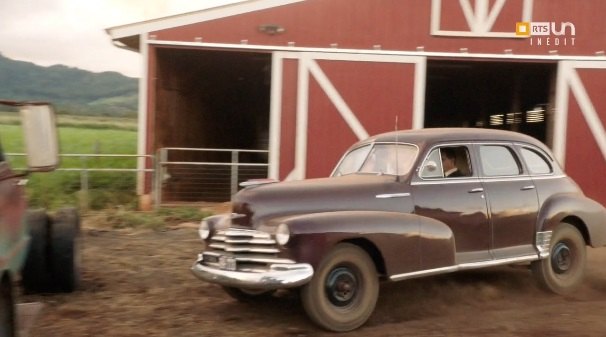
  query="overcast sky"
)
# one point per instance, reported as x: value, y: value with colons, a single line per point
x: 72, y: 32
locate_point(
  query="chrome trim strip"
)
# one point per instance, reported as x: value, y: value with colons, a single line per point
x: 247, y: 258
x: 543, y: 243
x: 243, y: 232
x: 244, y: 249
x: 498, y: 262
x: 548, y: 176
x: 243, y: 240
x: 220, y: 238
x: 437, y: 181
x: 392, y: 195
x: 420, y: 273
x: 251, y: 241
x: 442, y: 181
x: 464, y: 266
x: 267, y: 260
x: 520, y: 177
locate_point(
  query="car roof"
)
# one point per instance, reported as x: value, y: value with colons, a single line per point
x: 438, y: 135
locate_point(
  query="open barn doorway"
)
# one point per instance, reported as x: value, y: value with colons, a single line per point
x: 516, y: 96
x: 214, y: 100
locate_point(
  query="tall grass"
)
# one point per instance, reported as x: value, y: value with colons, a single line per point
x: 60, y: 188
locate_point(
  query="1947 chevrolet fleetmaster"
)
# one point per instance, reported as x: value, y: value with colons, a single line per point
x: 402, y: 205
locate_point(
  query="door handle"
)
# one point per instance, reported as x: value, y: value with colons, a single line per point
x: 476, y: 190
x: 526, y: 188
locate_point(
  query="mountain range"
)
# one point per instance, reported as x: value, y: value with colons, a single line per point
x: 71, y: 90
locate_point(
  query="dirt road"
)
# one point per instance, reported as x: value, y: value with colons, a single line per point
x: 139, y: 284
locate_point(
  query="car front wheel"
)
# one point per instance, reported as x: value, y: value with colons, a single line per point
x: 563, y: 271
x: 344, y: 290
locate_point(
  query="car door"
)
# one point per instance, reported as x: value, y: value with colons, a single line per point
x: 512, y: 200
x: 455, y: 201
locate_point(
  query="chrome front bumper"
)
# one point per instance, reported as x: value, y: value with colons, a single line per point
x: 277, y: 276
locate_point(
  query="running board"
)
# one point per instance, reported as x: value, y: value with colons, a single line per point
x: 464, y: 266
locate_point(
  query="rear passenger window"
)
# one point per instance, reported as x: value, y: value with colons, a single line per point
x: 537, y: 164
x: 498, y: 160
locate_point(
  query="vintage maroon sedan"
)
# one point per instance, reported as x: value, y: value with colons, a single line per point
x: 402, y: 205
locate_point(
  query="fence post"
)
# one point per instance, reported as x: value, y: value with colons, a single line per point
x: 84, y: 184
x: 234, y: 173
x: 161, y: 158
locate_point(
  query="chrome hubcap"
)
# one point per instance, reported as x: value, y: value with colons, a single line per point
x: 341, y: 286
x: 561, y: 258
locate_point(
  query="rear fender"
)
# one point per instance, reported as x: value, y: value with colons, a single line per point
x: 581, y: 211
x: 404, y: 242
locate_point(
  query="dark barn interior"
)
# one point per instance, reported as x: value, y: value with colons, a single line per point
x: 511, y: 96
x: 212, y: 100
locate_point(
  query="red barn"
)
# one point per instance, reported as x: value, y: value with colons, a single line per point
x: 304, y: 79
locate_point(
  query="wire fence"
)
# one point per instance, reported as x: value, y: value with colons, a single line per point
x: 191, y: 175
x: 88, y: 180
x: 180, y: 175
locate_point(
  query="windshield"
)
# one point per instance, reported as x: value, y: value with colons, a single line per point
x: 395, y: 159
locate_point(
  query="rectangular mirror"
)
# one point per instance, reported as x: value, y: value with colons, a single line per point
x: 40, y: 137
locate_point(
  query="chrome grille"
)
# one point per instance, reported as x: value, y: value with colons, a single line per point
x: 252, y: 250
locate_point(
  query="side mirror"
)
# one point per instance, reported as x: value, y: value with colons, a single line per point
x: 40, y: 137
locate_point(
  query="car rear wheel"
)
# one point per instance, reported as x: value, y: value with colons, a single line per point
x: 7, y: 309
x: 248, y: 295
x: 343, y: 292
x: 563, y: 271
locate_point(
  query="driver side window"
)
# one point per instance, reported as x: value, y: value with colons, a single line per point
x: 432, y: 167
x: 447, y: 162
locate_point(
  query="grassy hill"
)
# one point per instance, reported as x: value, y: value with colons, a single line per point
x: 71, y: 90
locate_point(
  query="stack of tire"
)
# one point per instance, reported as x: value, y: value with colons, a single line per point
x: 52, y: 264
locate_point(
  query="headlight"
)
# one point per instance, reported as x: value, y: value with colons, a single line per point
x: 282, y: 234
x: 204, y: 229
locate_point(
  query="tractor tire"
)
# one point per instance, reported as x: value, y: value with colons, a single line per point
x: 64, y: 253
x: 35, y: 275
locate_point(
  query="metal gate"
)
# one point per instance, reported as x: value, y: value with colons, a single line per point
x: 205, y: 175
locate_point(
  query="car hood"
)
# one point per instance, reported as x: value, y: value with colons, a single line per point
x: 258, y: 204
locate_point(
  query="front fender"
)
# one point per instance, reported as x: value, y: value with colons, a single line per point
x: 561, y: 207
x: 404, y: 242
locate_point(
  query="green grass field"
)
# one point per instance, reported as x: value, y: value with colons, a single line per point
x: 79, y: 135
x: 112, y: 192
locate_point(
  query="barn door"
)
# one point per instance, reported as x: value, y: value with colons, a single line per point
x: 323, y: 102
x: 579, y: 133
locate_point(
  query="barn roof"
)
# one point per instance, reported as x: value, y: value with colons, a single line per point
x: 436, y: 28
x: 129, y: 34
